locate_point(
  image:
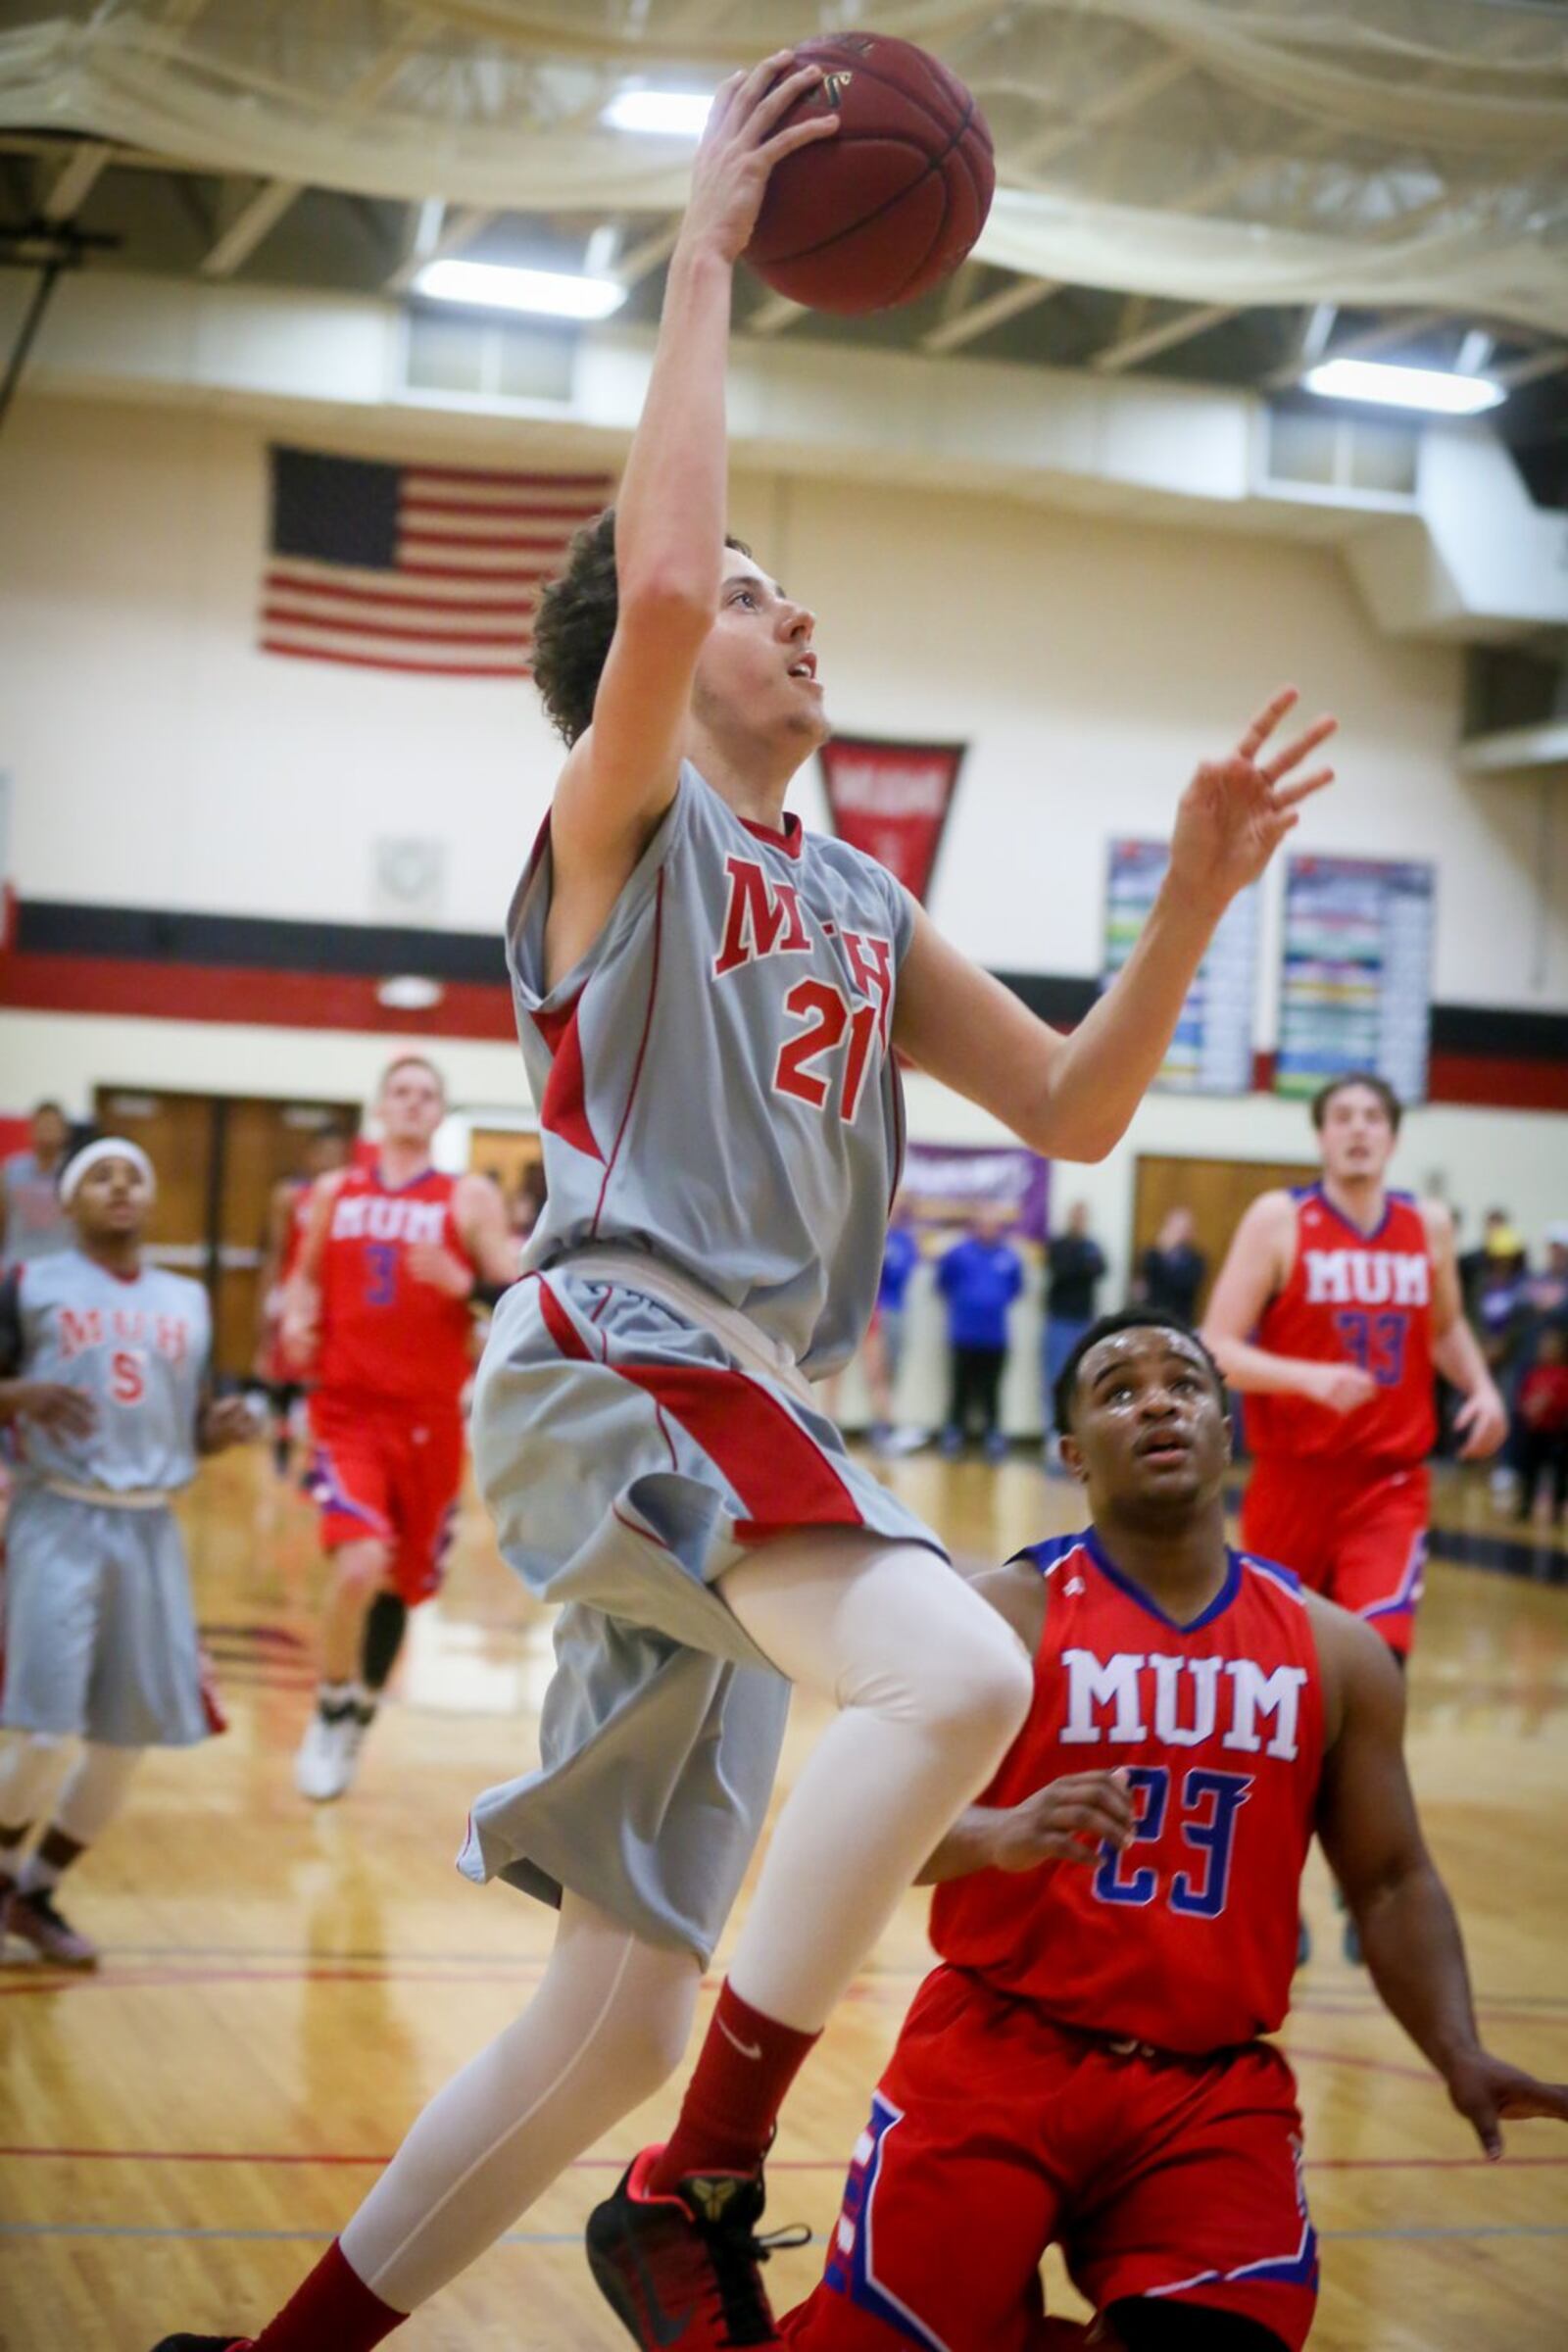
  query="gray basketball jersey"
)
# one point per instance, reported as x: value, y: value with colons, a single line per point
x: 716, y: 1079
x: 138, y: 1349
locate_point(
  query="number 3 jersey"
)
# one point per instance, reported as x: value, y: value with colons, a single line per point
x: 137, y: 1346
x: 386, y: 1337
x: 1353, y: 1298
x: 1186, y: 1939
x: 715, y: 1078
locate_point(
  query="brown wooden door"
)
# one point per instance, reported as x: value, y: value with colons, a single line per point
x: 1216, y: 1191
x: 177, y: 1133
x: 218, y: 1158
x: 260, y: 1143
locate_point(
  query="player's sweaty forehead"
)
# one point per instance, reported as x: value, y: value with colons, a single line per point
x: 1143, y: 1347
x: 744, y: 572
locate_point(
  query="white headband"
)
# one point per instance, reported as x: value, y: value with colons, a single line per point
x: 108, y: 1146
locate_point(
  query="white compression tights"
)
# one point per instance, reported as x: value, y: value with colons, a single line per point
x: 931, y: 1688
x: 30, y: 1762
x: 605, y: 2028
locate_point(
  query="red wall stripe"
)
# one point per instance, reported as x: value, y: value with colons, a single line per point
x: 141, y: 989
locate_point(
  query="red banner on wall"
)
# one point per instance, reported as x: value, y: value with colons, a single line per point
x: 892, y: 799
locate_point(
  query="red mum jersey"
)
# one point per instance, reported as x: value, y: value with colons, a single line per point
x: 1361, y: 1298
x: 1187, y: 1939
x: 385, y: 1336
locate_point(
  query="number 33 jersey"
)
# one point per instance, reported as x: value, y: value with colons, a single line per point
x: 1353, y: 1298
x: 137, y: 1346
x: 1186, y: 1939
x: 715, y: 1077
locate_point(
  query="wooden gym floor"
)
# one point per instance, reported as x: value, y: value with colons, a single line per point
x: 282, y: 1986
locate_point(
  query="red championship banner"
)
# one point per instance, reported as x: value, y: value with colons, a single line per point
x: 892, y: 799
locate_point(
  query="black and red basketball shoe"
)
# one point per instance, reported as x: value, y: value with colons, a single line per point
x: 682, y: 2269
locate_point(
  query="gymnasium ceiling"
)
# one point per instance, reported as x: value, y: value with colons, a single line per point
x: 1214, y: 190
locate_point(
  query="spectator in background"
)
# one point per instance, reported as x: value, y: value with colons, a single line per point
x: 1075, y: 1265
x: 35, y: 1224
x: 1547, y: 1291
x: 979, y: 1278
x: 527, y: 1203
x: 1474, y: 1264
x: 884, y: 1341
x: 1502, y: 1326
x: 1170, y: 1273
x: 1541, y: 1424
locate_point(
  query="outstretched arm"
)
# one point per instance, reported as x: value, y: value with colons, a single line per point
x: 1483, y: 1418
x: 669, y: 517
x: 1409, y: 1935
x: 1073, y: 1097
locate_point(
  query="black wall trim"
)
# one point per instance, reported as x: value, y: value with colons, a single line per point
x: 160, y: 935
x: 55, y: 927
x: 1499, y: 1032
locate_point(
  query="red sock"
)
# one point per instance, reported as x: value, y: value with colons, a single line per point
x: 746, y: 2065
x: 334, y: 2311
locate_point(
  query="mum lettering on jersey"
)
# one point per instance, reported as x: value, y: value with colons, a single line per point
x: 1132, y: 1697
x: 1367, y: 1278
x: 376, y: 1217
x: 763, y: 918
x: 79, y: 1328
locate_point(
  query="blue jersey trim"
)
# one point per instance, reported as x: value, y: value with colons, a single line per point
x: 1151, y: 1608
x: 1285, y: 1578
x: 1389, y: 1200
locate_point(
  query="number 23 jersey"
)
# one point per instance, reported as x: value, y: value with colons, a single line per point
x: 386, y: 1337
x: 715, y: 1078
x: 1187, y: 1938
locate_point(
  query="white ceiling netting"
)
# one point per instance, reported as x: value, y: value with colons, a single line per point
x: 1232, y: 152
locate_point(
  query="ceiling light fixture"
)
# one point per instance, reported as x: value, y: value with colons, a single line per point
x: 661, y: 114
x: 409, y: 992
x: 543, y: 293
x: 1433, y: 389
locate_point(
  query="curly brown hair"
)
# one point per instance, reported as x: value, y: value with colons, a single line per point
x: 576, y: 622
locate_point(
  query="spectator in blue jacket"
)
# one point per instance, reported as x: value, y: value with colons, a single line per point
x: 979, y: 1279
x: 884, y: 1342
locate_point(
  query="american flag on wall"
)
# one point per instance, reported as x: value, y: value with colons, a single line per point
x: 423, y: 568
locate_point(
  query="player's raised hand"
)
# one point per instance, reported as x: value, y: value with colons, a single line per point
x: 1488, y: 2093
x: 431, y: 1263
x: 1483, y: 1423
x: 1067, y: 1821
x: 1236, y: 812
x: 740, y: 147
x: 52, y: 1404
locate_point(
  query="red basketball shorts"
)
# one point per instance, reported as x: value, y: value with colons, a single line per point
x: 995, y: 2133
x: 1352, y: 1532
x: 391, y: 1472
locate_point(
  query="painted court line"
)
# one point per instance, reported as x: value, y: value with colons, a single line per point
x: 573, y: 2237
x: 617, y: 2164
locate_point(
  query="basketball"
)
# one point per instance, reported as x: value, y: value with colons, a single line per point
x: 888, y: 208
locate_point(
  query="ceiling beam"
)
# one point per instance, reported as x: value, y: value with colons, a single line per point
x: 640, y: 261
x: 1164, y: 337
x: 1530, y: 372
x: 1386, y: 335
x: 455, y: 231
x: 261, y: 213
x: 73, y: 182
x: 981, y: 316
x: 263, y: 210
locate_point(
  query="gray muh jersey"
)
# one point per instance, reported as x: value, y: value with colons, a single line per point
x: 716, y: 1079
x: 138, y: 1349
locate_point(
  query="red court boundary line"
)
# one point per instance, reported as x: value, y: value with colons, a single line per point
x: 617, y: 2164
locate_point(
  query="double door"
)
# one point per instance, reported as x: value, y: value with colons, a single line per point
x: 218, y: 1159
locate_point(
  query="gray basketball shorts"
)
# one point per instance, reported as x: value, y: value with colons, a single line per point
x: 100, y: 1635
x: 627, y: 1462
